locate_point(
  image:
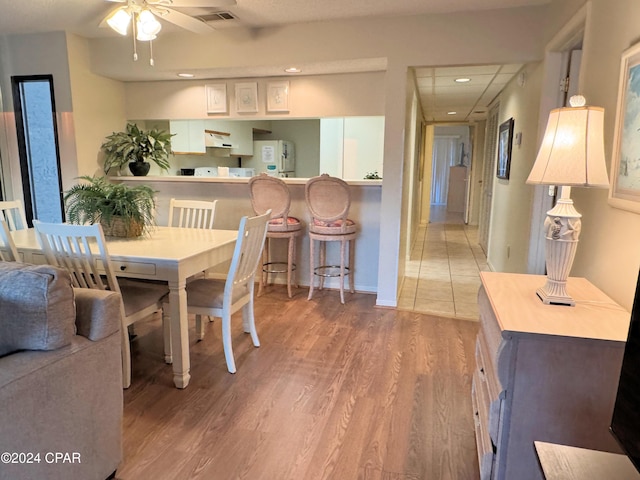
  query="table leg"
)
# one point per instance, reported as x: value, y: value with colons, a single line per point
x: 179, y: 333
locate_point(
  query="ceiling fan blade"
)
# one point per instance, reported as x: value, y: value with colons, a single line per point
x: 193, y: 3
x: 185, y: 21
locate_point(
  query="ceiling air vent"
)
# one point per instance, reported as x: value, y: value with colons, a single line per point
x: 217, y: 17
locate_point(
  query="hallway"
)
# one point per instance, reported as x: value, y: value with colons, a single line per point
x: 442, y: 275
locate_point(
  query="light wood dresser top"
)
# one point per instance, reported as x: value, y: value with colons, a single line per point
x: 520, y: 312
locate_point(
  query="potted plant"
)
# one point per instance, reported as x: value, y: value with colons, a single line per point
x: 122, y: 210
x: 136, y: 148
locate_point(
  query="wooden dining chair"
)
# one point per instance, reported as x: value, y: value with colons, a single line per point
x: 222, y: 298
x: 82, y: 250
x: 12, y: 212
x: 8, y: 252
x: 191, y: 213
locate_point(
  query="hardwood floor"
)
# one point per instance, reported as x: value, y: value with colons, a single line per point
x: 335, y: 392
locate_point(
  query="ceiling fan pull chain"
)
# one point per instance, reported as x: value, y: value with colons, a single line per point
x: 135, y: 34
x: 151, y: 53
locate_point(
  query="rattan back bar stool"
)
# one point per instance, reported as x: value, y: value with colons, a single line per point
x: 269, y: 192
x: 328, y: 200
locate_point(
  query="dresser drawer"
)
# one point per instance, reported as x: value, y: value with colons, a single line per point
x: 486, y: 453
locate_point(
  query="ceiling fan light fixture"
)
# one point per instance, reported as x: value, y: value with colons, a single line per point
x: 148, y: 25
x: 119, y: 20
x: 143, y: 37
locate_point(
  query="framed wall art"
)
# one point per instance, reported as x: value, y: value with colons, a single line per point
x: 505, y: 141
x: 247, y: 97
x: 278, y: 96
x: 624, y: 190
x: 216, y: 98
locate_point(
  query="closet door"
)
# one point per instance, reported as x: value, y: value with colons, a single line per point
x: 490, y: 145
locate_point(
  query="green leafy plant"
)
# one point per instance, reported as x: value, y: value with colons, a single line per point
x: 137, y: 145
x: 372, y: 176
x: 99, y: 200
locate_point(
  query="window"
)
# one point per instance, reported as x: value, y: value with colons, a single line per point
x: 38, y: 147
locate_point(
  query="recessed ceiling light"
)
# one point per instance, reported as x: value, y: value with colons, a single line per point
x: 186, y: 75
x: 452, y: 113
x: 292, y: 70
x: 463, y: 80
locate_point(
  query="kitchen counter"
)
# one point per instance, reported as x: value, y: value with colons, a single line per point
x: 193, y: 179
x: 232, y: 194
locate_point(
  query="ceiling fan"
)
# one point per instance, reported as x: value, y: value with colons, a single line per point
x: 143, y: 16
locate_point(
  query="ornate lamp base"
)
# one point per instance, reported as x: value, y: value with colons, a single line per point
x: 562, y: 227
x: 555, y: 293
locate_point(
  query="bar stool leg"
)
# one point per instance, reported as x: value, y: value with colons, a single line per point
x: 311, y: 266
x: 352, y: 254
x: 323, y: 262
x: 264, y: 256
x: 343, y: 244
x: 290, y: 263
x: 293, y: 257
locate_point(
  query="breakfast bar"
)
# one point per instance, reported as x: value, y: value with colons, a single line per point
x: 232, y: 194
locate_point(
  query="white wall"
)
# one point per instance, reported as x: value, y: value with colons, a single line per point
x: 96, y: 98
x: 309, y: 97
x: 510, y: 217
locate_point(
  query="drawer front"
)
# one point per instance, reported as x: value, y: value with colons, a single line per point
x: 124, y: 269
x: 483, y: 441
x: 489, y: 328
x: 486, y: 365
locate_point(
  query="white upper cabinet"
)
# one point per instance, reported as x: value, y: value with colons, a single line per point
x: 351, y: 147
x: 188, y: 136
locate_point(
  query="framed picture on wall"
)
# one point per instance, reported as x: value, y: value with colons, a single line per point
x: 505, y: 141
x: 278, y: 97
x: 624, y: 189
x: 216, y: 98
x: 247, y: 97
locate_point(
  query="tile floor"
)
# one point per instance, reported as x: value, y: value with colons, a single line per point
x: 442, y: 275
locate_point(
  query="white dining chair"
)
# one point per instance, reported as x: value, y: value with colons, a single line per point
x: 222, y: 298
x: 191, y: 213
x: 12, y: 211
x: 81, y: 249
x: 8, y: 252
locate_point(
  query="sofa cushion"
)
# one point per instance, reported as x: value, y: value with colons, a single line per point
x: 37, y: 308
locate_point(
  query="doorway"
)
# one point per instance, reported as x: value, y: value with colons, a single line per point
x: 450, y: 173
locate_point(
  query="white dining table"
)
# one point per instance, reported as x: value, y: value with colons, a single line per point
x: 165, y: 253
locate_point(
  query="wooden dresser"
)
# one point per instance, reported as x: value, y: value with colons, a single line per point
x: 544, y: 372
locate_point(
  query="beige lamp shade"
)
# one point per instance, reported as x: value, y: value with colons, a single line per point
x: 572, y: 150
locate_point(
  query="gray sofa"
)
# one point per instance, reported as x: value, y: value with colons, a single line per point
x: 60, y: 377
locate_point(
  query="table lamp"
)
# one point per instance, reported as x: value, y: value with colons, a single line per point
x: 571, y: 155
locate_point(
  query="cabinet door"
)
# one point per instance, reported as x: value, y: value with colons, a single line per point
x: 188, y: 136
x: 351, y: 147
